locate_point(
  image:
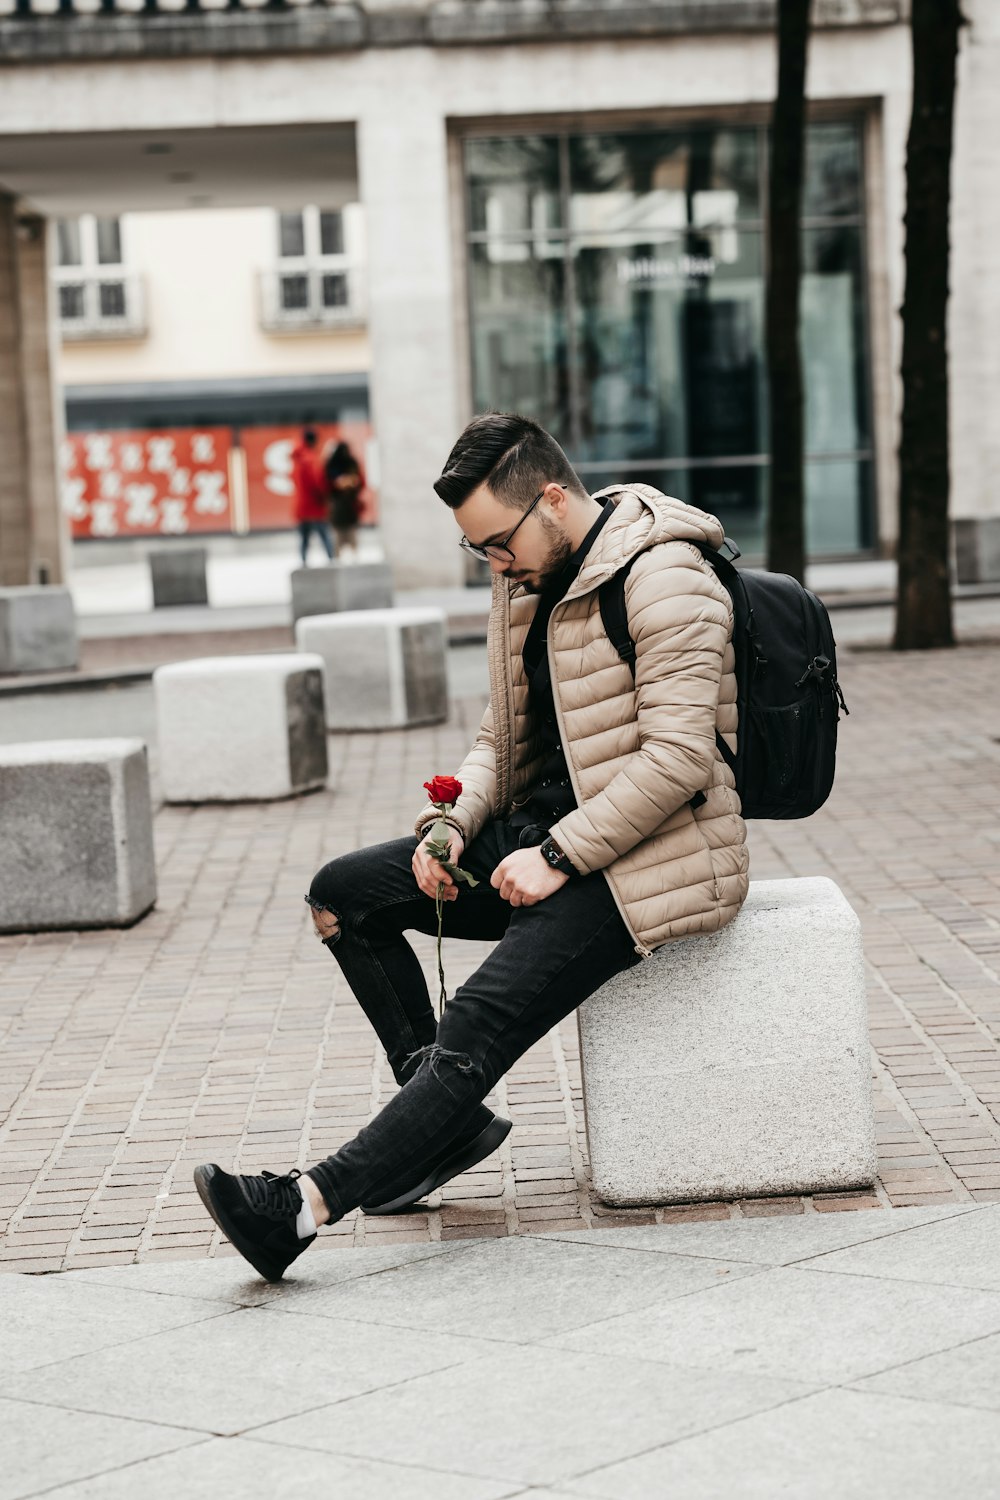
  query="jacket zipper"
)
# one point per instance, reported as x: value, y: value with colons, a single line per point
x: 639, y: 947
x: 503, y: 720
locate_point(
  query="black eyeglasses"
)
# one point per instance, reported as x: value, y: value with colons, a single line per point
x: 500, y: 551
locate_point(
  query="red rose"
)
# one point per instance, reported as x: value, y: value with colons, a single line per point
x: 444, y: 789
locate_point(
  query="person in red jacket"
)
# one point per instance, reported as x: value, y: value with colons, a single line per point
x: 311, y: 502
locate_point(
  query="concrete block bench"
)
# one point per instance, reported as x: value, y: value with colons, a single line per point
x: 76, y: 830
x: 37, y: 629
x: 179, y: 576
x: 383, y: 668
x: 341, y: 586
x: 736, y: 1064
x: 240, y: 728
x: 977, y: 549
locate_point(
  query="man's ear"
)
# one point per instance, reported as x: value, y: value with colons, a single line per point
x: 557, y: 500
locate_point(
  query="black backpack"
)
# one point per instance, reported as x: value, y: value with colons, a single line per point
x: 788, y: 696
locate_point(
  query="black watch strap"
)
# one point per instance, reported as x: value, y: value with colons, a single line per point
x: 553, y: 855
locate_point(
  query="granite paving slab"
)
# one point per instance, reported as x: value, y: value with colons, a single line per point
x: 257, y: 1365
x: 964, y: 1252
x: 517, y: 1289
x: 47, y: 1320
x: 232, y: 1281
x: 812, y: 1326
x: 968, y: 1375
x: 223, y: 1468
x: 764, y: 1242
x: 836, y: 1445
x: 45, y: 1446
x: 532, y: 1414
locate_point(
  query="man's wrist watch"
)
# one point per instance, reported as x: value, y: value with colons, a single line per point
x: 553, y: 856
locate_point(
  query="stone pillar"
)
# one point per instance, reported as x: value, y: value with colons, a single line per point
x: 15, y: 509
x: 33, y: 544
x: 43, y: 399
x: 403, y: 177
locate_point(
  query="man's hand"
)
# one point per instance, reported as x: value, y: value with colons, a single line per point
x: 524, y: 878
x: 429, y: 874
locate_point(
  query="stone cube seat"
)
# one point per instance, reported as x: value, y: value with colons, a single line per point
x: 736, y: 1064
x: 977, y: 549
x: 337, y: 586
x: 37, y: 629
x: 241, y: 728
x: 178, y: 576
x: 76, y: 831
x: 383, y: 668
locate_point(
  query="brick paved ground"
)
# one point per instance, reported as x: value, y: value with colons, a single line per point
x: 219, y: 1029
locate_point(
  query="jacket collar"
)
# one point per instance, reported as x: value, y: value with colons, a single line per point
x: 643, y: 517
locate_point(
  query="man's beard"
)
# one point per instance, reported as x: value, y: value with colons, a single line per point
x: 559, y: 553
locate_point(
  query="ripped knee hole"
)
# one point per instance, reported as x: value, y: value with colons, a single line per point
x: 325, y: 921
x: 434, y: 1054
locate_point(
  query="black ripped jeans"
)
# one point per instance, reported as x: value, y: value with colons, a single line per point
x: 549, y: 957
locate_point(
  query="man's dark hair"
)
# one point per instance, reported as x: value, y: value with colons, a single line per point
x: 309, y: 436
x: 512, y: 454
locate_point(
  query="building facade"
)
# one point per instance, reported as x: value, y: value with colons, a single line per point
x: 563, y: 214
x: 195, y: 345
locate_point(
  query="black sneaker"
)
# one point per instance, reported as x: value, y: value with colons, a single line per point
x: 459, y: 1159
x: 256, y: 1214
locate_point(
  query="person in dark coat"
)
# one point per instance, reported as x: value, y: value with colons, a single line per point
x: 345, y: 483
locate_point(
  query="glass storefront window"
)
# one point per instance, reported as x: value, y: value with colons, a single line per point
x: 734, y: 492
x: 513, y: 184
x: 519, y: 338
x: 662, y: 180
x: 832, y: 184
x: 838, y: 505
x: 832, y: 340
x: 668, y: 348
x: 617, y: 296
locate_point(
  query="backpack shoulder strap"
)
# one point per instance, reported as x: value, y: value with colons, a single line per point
x: 611, y: 597
x: 614, y: 618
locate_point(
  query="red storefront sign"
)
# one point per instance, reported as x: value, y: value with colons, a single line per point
x: 178, y: 480
x: 269, y: 469
x: 165, y: 483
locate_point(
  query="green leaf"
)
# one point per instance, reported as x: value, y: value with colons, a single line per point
x: 457, y: 873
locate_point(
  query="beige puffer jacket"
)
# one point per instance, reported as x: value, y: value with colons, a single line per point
x: 636, y: 753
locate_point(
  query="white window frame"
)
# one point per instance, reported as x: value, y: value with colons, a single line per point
x: 89, y: 275
x: 314, y: 265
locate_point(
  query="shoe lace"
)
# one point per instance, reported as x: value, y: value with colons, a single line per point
x: 273, y: 1196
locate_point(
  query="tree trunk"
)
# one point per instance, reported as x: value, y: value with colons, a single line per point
x: 786, y: 512
x: 923, y: 600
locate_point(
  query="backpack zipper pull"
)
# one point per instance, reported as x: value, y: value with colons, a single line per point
x: 815, y: 671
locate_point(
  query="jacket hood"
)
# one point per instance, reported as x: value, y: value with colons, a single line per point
x: 643, y: 518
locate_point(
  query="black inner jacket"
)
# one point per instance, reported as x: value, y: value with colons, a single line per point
x: 551, y: 797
